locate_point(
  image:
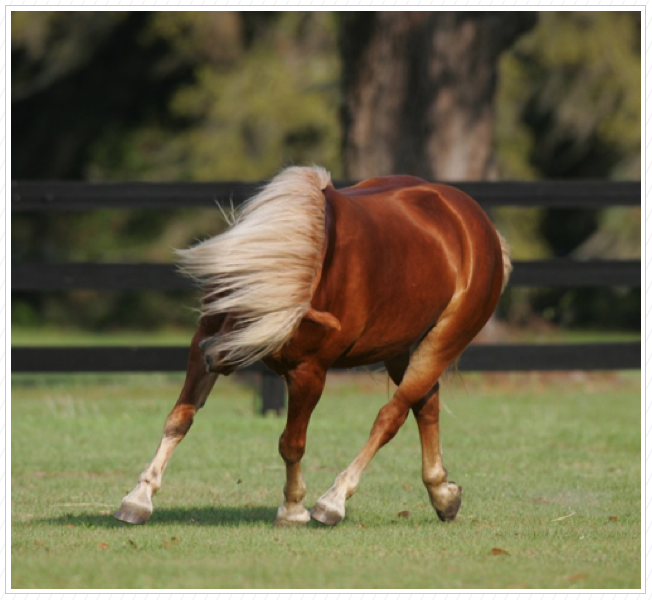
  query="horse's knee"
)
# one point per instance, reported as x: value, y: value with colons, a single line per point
x: 291, y: 448
x: 179, y: 421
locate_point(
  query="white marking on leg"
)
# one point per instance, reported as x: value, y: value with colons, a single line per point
x: 136, y: 506
x: 152, y: 476
x: 331, y: 507
x: 292, y: 511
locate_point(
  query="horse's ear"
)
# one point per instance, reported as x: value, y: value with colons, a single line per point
x: 323, y: 318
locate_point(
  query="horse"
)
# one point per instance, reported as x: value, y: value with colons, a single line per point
x: 308, y: 277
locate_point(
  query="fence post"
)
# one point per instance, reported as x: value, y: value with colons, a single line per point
x: 273, y: 392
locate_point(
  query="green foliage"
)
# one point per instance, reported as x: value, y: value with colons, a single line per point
x: 248, y: 113
x: 49, y: 46
x: 569, y: 101
x: 569, y: 105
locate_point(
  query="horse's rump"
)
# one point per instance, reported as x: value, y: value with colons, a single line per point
x: 262, y: 271
x: 403, y: 249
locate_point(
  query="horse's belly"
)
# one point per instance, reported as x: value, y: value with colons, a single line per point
x: 361, y: 356
x: 393, y: 333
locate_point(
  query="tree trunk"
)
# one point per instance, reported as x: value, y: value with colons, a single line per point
x: 419, y: 90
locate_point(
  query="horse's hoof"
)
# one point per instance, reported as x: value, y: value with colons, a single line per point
x: 326, y: 513
x: 136, y: 514
x: 293, y: 516
x: 448, y: 501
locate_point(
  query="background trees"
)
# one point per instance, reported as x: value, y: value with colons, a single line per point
x: 419, y: 91
x: 227, y: 95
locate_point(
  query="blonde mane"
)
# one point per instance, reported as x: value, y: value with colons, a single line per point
x: 261, y: 271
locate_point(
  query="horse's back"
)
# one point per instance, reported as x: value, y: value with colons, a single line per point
x: 382, y: 185
x: 423, y: 199
x: 418, y: 219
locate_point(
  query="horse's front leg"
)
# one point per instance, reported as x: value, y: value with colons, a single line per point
x: 137, y: 506
x: 305, y: 386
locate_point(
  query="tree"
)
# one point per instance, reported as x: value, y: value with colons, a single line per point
x: 419, y: 90
x: 79, y: 77
x: 172, y: 95
x: 569, y: 103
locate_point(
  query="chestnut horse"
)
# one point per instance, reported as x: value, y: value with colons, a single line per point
x: 308, y: 277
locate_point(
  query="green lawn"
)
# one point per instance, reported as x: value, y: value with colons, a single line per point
x: 54, y: 336
x: 550, y: 466
x: 77, y: 337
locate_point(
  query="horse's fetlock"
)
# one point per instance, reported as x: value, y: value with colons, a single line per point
x: 434, y: 477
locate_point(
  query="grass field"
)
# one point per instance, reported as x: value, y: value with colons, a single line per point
x: 56, y: 336
x: 550, y: 467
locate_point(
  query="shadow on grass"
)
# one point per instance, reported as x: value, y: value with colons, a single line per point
x: 216, y: 516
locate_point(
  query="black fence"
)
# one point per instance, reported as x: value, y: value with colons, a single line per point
x: 44, y: 277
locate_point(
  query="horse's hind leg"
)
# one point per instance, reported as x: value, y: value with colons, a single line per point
x: 136, y: 506
x: 433, y: 355
x: 305, y: 386
x: 330, y: 508
x: 445, y: 497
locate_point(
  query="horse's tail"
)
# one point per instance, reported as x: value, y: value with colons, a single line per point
x: 261, y: 271
x: 507, y: 261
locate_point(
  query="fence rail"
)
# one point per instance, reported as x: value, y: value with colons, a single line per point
x: 66, y: 196
x: 164, y: 277
x: 479, y: 357
x: 33, y: 197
